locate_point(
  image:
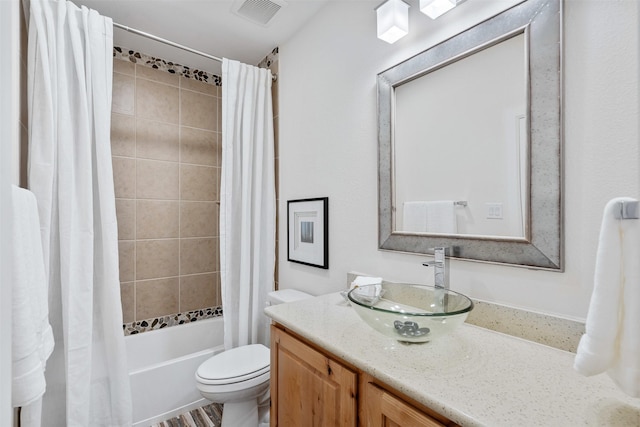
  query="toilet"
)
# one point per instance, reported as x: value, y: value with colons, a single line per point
x: 239, y: 378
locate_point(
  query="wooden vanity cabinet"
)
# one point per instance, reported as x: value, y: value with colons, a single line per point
x: 310, y: 387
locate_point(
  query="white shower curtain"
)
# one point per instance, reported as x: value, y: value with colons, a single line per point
x: 69, y: 86
x: 247, y: 202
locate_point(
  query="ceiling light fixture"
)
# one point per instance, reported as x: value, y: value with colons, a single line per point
x: 393, y: 20
x: 435, y: 8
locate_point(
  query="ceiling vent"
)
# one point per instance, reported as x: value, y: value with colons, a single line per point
x: 258, y: 11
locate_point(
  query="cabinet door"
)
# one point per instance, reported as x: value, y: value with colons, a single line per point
x: 309, y: 388
x: 383, y: 409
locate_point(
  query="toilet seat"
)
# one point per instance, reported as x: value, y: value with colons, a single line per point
x: 237, y: 365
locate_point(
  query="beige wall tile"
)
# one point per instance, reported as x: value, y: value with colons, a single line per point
x: 198, y: 86
x: 124, y: 67
x: 156, y: 298
x: 198, y: 255
x: 126, y: 216
x: 198, y: 183
x: 124, y: 177
x: 198, y: 110
x: 157, y: 101
x: 157, y: 140
x: 275, y: 98
x: 24, y: 155
x: 219, y: 151
x: 198, y: 219
x: 156, y: 258
x: 157, y: 219
x: 123, y: 135
x: 127, y: 256
x: 276, y: 136
x: 24, y: 38
x: 199, y: 147
x: 24, y: 105
x: 219, y: 115
x: 157, y: 180
x: 276, y: 272
x: 277, y: 178
x: 127, y: 295
x: 156, y: 75
x: 198, y: 291
x: 123, y: 94
x: 218, y: 290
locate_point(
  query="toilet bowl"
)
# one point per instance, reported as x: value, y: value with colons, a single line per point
x: 239, y: 378
x: 236, y: 378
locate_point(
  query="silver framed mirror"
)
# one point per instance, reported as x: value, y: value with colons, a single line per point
x: 516, y: 215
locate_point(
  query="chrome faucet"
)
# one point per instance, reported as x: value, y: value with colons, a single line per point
x: 440, y: 268
x: 440, y: 277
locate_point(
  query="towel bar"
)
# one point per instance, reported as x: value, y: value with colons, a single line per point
x: 628, y: 210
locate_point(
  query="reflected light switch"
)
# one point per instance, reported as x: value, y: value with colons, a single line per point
x: 494, y: 210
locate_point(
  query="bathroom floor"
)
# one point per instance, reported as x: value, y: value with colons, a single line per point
x: 207, y: 416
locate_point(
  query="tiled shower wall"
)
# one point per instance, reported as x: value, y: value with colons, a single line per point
x: 165, y: 138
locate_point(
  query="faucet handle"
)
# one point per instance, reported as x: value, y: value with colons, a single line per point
x: 434, y: 263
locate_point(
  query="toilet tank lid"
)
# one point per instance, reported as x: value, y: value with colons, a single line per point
x: 287, y: 295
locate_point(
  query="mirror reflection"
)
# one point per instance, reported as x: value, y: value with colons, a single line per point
x: 477, y: 119
x: 460, y: 160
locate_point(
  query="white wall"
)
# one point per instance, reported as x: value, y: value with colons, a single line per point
x: 328, y: 144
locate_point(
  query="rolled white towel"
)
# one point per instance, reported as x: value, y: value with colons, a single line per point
x: 368, y: 291
x: 32, y: 337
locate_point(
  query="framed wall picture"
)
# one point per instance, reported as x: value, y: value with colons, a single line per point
x: 308, y: 231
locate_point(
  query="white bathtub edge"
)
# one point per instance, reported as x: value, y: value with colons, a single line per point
x: 162, y: 369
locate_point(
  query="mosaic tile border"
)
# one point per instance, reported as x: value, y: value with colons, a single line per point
x: 170, y: 320
x: 168, y: 66
x: 138, y: 58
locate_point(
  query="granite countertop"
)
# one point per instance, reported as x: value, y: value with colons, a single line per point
x: 475, y: 376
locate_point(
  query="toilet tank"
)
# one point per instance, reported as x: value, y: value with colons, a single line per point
x: 280, y: 297
x: 286, y: 295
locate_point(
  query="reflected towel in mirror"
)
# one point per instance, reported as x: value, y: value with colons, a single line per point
x: 438, y: 216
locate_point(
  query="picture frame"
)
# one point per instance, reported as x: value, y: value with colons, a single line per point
x: 308, y: 232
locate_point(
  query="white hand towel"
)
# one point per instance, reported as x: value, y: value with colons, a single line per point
x: 437, y: 216
x: 612, y: 339
x: 32, y: 337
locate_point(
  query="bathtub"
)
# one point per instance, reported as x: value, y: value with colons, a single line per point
x: 162, y: 366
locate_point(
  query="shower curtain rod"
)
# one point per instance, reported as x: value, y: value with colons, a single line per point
x: 170, y: 43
